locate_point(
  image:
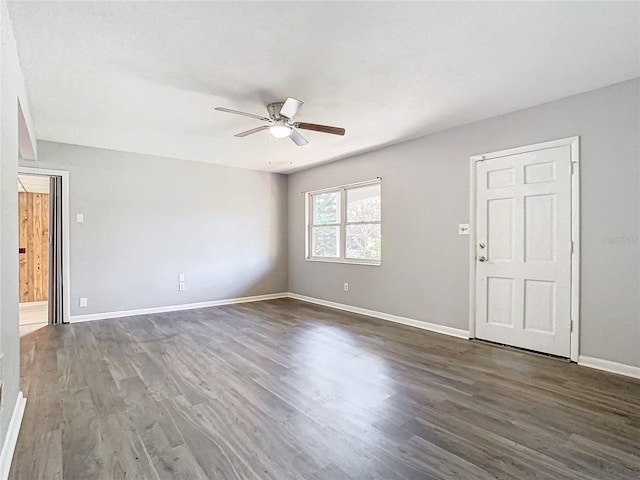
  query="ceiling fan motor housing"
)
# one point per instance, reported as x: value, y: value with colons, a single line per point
x: 274, y: 110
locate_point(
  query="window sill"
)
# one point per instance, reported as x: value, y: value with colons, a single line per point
x: 338, y: 260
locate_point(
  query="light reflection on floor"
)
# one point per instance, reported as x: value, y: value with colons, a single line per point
x: 351, y: 382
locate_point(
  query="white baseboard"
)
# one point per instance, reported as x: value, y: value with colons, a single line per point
x: 9, y: 446
x: 33, y: 304
x: 432, y: 327
x: 173, y: 308
x: 608, y: 366
x: 591, y: 362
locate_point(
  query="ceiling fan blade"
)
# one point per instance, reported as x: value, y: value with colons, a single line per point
x: 297, y: 138
x: 290, y: 107
x: 253, y: 130
x: 228, y: 110
x: 320, y: 128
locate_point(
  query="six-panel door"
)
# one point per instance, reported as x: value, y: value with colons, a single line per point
x: 523, y: 250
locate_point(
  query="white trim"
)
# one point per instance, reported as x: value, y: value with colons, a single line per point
x: 574, y: 144
x: 432, y: 327
x: 307, y: 220
x: 348, y: 185
x: 605, y: 365
x: 455, y: 332
x: 11, y: 439
x: 66, y: 270
x: 472, y: 247
x: 342, y: 225
x: 560, y: 142
x: 575, y: 242
x: 337, y: 260
x: 33, y: 304
x: 609, y: 366
x: 174, y: 308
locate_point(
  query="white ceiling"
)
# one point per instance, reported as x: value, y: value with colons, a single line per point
x: 144, y: 76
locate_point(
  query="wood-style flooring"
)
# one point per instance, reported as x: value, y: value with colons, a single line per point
x: 284, y: 390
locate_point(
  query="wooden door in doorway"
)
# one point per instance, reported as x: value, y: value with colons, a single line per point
x: 33, y: 213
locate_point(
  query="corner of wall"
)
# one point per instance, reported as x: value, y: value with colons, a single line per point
x: 11, y: 89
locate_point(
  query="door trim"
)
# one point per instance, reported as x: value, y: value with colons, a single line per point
x: 66, y: 300
x: 574, y: 143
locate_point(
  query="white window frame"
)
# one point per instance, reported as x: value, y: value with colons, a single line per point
x: 342, y: 190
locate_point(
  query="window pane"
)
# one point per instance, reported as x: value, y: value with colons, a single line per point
x: 364, y: 241
x: 363, y: 204
x: 326, y: 208
x: 324, y: 241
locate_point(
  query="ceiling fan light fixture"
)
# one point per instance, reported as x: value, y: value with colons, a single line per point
x: 280, y: 131
x: 280, y: 123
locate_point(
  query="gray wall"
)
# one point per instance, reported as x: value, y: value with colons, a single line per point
x: 147, y: 219
x: 425, y: 195
x: 10, y: 85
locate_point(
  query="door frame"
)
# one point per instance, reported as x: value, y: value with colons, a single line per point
x: 66, y: 297
x: 574, y: 144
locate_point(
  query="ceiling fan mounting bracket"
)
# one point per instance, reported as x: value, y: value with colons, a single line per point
x: 274, y: 110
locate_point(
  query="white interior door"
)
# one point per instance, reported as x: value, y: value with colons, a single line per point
x: 523, y: 250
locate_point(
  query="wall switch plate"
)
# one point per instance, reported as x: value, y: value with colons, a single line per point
x: 80, y: 217
x: 181, y: 277
x: 182, y: 286
x: 463, y: 229
x: 83, y: 302
x: 346, y: 287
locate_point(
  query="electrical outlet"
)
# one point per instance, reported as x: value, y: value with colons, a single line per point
x: 84, y: 302
x: 346, y: 287
x: 182, y: 286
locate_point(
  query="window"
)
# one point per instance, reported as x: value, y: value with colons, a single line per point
x: 344, y: 224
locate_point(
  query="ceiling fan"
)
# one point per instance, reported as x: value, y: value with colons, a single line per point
x: 280, y: 122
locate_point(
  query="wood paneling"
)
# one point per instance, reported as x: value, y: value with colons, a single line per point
x: 33, y: 211
x: 23, y: 230
x: 284, y: 390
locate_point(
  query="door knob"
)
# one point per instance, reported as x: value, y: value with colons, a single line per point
x: 482, y: 259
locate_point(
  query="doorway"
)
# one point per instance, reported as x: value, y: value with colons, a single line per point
x: 525, y: 249
x: 43, y: 247
x: 33, y: 248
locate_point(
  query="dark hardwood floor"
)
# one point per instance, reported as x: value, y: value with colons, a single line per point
x: 287, y: 390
